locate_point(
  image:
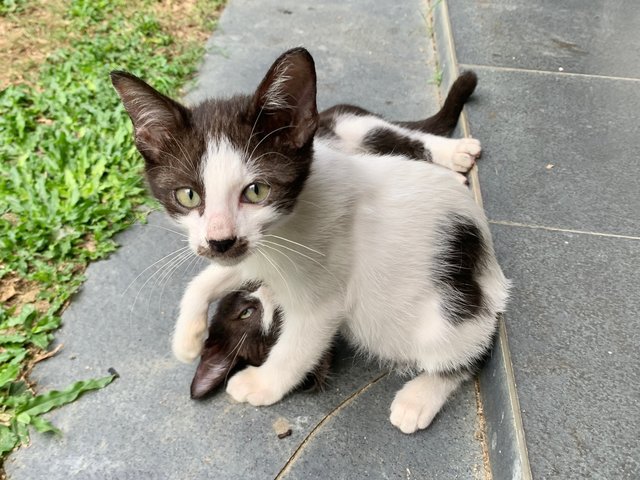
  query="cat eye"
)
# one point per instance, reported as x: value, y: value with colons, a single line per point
x: 187, y: 197
x: 246, y: 313
x: 256, y: 192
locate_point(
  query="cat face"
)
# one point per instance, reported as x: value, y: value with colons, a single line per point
x: 228, y: 170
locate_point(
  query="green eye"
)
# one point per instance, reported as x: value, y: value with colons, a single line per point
x: 246, y: 313
x: 187, y: 197
x: 256, y: 192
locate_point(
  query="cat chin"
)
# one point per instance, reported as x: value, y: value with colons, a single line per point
x: 225, y: 261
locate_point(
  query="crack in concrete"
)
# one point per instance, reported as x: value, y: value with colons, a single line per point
x: 563, y: 230
x: 296, y: 454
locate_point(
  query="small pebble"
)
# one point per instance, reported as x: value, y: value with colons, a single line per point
x: 282, y: 428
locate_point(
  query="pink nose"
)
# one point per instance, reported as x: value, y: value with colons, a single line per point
x: 220, y: 227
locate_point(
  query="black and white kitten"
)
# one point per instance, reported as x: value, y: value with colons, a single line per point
x: 241, y: 330
x: 396, y: 253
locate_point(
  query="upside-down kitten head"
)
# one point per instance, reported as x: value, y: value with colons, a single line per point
x: 228, y: 169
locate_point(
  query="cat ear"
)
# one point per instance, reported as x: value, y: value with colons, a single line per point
x: 156, y: 118
x: 285, y: 101
x: 215, y: 364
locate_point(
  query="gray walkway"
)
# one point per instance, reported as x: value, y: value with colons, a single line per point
x: 557, y: 111
x: 144, y: 426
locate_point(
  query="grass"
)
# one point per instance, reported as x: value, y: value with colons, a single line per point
x: 70, y: 177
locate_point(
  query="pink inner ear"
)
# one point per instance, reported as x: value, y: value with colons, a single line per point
x: 214, y: 367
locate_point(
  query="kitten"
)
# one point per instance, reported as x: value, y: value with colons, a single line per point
x: 395, y: 253
x: 235, y: 335
x: 236, y: 338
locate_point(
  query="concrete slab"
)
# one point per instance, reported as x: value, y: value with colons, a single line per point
x: 144, y: 426
x: 574, y: 333
x: 375, y: 451
x: 576, y: 36
x: 558, y: 156
x: 557, y: 150
x: 374, y: 54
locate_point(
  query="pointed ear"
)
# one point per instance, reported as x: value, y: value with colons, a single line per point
x: 215, y: 364
x: 285, y: 101
x: 156, y: 118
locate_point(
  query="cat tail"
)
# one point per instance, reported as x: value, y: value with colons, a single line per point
x: 444, y: 122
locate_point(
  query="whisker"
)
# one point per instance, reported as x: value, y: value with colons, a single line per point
x: 163, y: 272
x: 167, y: 229
x: 263, y: 244
x: 276, y: 269
x: 267, y: 136
x: 305, y: 256
x: 160, y: 269
x: 182, y: 150
x: 175, y: 252
x: 295, y: 243
x: 246, y: 148
x: 237, y: 350
x: 171, y: 271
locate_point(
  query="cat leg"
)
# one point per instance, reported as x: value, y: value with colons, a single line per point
x: 417, y: 403
x: 457, y: 154
x: 191, y: 327
x: 303, y: 340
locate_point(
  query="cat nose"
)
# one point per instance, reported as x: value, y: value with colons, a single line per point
x: 221, y: 246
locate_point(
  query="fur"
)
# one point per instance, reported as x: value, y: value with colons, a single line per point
x: 345, y: 240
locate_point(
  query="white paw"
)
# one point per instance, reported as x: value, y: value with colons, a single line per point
x: 186, y: 345
x: 255, y: 386
x: 465, y: 153
x: 411, y: 412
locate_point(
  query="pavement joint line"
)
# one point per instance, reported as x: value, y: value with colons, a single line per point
x: 525, y: 472
x: 547, y: 72
x: 564, y: 230
x: 299, y: 450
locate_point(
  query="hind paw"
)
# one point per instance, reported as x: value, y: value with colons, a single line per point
x: 466, y: 151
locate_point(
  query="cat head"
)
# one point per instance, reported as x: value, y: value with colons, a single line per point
x: 237, y: 338
x: 230, y: 169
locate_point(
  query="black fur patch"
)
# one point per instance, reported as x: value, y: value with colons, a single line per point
x: 383, y: 141
x: 458, y: 265
x: 327, y: 118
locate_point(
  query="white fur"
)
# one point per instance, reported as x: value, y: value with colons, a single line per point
x: 358, y: 251
x: 453, y: 153
x: 265, y: 296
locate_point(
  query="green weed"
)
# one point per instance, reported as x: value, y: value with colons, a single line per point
x: 70, y: 179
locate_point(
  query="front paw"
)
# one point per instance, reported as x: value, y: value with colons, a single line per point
x: 255, y: 386
x: 186, y: 345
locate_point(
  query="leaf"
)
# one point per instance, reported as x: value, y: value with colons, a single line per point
x: 8, y: 374
x: 13, y: 338
x: 12, y: 354
x: 27, y: 314
x: 23, y: 418
x: 21, y: 431
x: 43, y: 425
x: 56, y: 398
x: 8, y: 439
